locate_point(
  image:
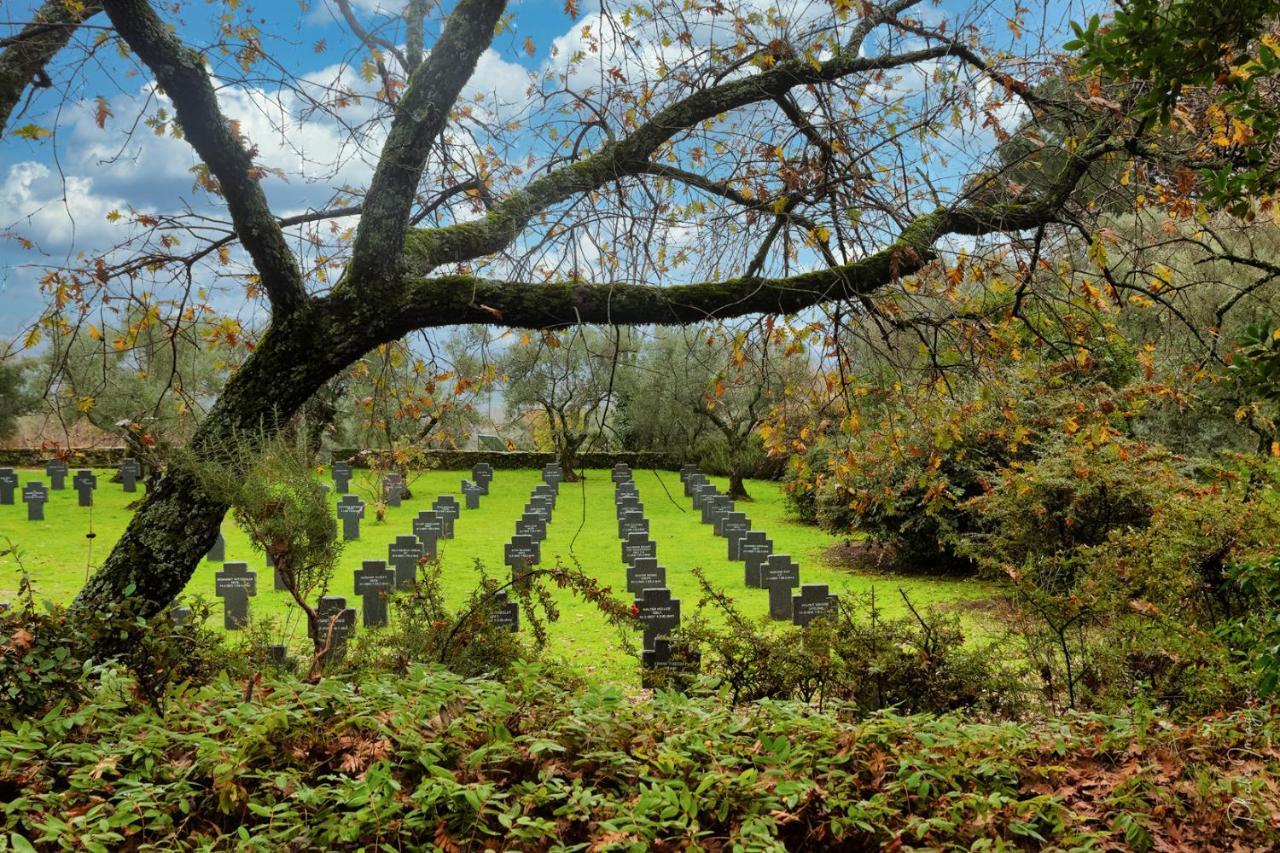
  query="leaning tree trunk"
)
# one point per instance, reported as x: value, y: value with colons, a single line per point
x: 568, y: 458
x: 737, y: 450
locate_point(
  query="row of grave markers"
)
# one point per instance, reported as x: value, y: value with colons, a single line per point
x: 762, y: 568
x: 35, y: 494
x: 524, y: 550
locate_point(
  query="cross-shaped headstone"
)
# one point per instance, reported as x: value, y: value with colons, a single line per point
x: 645, y: 573
x: 505, y: 613
x: 734, y: 527
x: 779, y: 575
x: 8, y: 483
x: 638, y: 545
x: 552, y: 474
x: 626, y: 516
x: 374, y: 582
x: 754, y: 549
x: 350, y: 510
x: 278, y: 655
x: 472, y: 492
x: 235, y: 585
x: 84, y: 482
x: 702, y: 492
x: 813, y: 601
x: 660, y: 668
x: 658, y: 613
x: 716, y: 508
x: 447, y: 505
x: 56, y: 470
x: 634, y: 523
x: 333, y: 609
x: 625, y: 489
x: 521, y: 554
x: 403, y: 555
x: 686, y: 471
x: 218, y: 550
x: 694, y: 481
x: 482, y: 474
x: 630, y: 505
x: 392, y: 490
x: 532, y: 526
x: 341, y: 472
x: 428, y: 526
x: 621, y: 473
x: 538, y: 506
x: 130, y: 471
x: 34, y: 495
x: 542, y: 490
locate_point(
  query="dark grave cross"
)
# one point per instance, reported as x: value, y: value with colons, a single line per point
x: 448, y: 505
x: 471, y: 491
x: 341, y: 473
x: 333, y: 609
x: 521, y: 554
x: 505, y: 614
x: 403, y: 555
x: 84, y: 482
x: 538, y: 506
x: 542, y: 490
x: 634, y: 524
x: 621, y: 473
x: 56, y: 470
x: 658, y: 613
x: 278, y: 655
x: 701, y: 493
x: 235, y: 585
x: 482, y: 474
x: 631, y: 505
x: 350, y: 510
x: 645, y: 573
x: 779, y: 575
x: 218, y: 550
x: 552, y: 475
x: 532, y: 526
x: 813, y: 601
x: 392, y: 490
x: 130, y: 470
x: 693, y: 482
x: 34, y: 495
x: 626, y: 517
x: 374, y: 582
x: 686, y: 471
x: 638, y: 545
x: 675, y: 670
x: 8, y: 483
x: 446, y: 517
x: 754, y: 549
x: 716, y: 507
x: 428, y: 526
x: 735, y: 527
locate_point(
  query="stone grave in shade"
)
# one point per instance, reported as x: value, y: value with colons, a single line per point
x: 235, y: 585
x: 686, y: 471
x: 449, y: 509
x: 716, y: 508
x: 56, y: 471
x: 84, y: 482
x: 779, y: 575
x: 645, y: 573
x: 658, y: 612
x: 532, y: 526
x: 694, y: 481
x: 813, y: 601
x: 660, y: 667
x: 403, y: 555
x: 350, y: 511
x: 218, y: 550
x: 633, y: 523
x: 333, y: 609
x: 521, y: 554
x: 505, y: 613
x: 8, y: 485
x: 626, y: 517
x: 392, y: 490
x: 734, y: 527
x: 35, y: 495
x: 374, y: 583
x: 341, y: 473
x: 700, y: 493
x: 754, y: 549
x: 552, y: 474
x: 428, y: 526
x: 621, y: 473
x: 471, y: 493
x: 130, y: 471
x: 638, y: 545
x: 482, y: 476
x: 542, y: 490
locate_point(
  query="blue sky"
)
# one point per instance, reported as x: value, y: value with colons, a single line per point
x: 61, y: 193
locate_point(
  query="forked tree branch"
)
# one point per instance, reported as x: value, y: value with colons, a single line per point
x: 26, y: 54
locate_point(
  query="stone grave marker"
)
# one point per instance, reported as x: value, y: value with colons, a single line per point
x: 341, y: 473
x: 734, y: 527
x: 634, y: 523
x: 625, y: 517
x: 482, y: 475
x: 447, y: 505
x: 333, y: 609
x: 658, y: 613
x: 686, y: 471
x: 621, y: 473
x: 813, y: 601
x: 505, y: 614
x: 630, y: 505
x: 235, y: 585
x: 428, y: 525
x: 532, y: 526
x: 552, y: 475
x: 56, y: 471
x: 694, y: 480
x: 130, y: 471
x: 350, y: 511
x: 702, y: 492
x: 84, y: 482
x: 392, y: 490
x: 659, y: 668
x: 218, y: 550
x: 34, y: 495
x: 645, y: 573
x: 779, y: 575
x: 521, y: 554
x: 542, y: 490
x: 754, y: 549
x: 715, y: 508
x: 471, y: 492
x: 8, y: 484
x: 374, y: 583
x: 179, y: 614
x: 403, y: 555
x: 638, y: 545
x: 538, y: 506
x: 446, y: 520
x: 278, y: 655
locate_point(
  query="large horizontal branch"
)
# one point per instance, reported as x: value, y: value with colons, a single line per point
x: 181, y: 73
x: 630, y: 155
x: 26, y: 54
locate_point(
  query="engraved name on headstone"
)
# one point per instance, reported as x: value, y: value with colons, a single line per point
x: 341, y: 473
x: 645, y: 573
x: 56, y: 470
x: 373, y: 583
x: 403, y: 555
x: 658, y: 612
x: 8, y: 485
x: 34, y: 495
x: 235, y: 585
x: 350, y: 511
x: 779, y: 575
x: 84, y: 482
x: 813, y: 601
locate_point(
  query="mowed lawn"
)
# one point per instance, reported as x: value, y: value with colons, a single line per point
x: 59, y: 554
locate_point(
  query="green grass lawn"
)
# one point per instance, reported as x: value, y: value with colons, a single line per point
x: 59, y: 553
